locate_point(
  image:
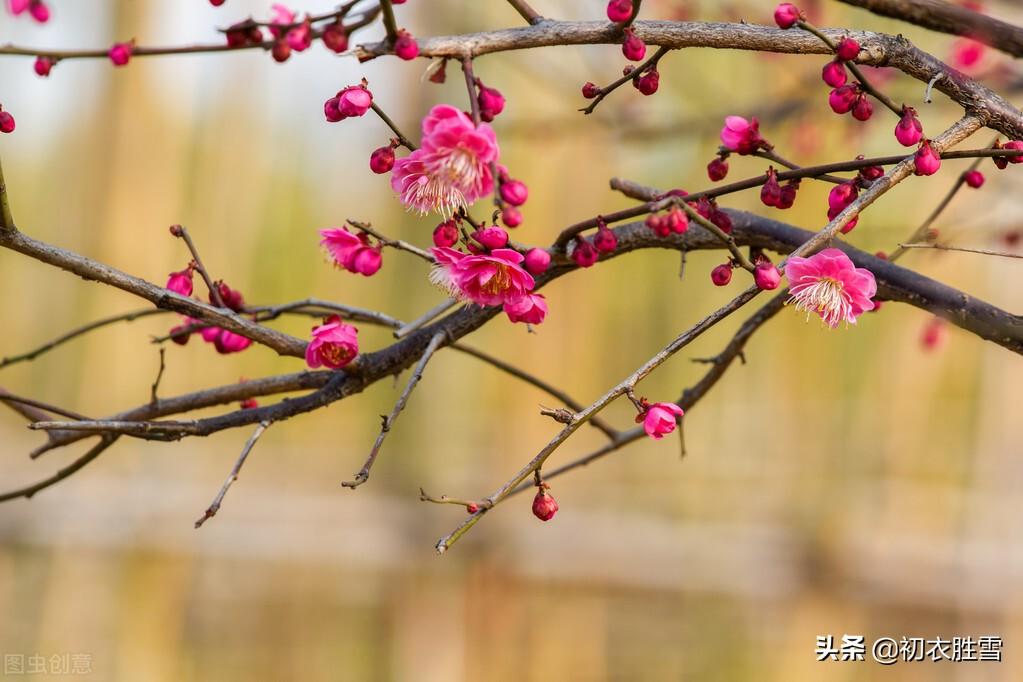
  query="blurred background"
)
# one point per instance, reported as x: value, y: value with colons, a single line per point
x: 857, y: 481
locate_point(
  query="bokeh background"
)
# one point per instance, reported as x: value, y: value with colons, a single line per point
x: 841, y: 482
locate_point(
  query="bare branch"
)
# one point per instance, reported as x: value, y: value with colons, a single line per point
x: 963, y: 249
x: 214, y: 507
x: 388, y: 421
x: 27, y: 492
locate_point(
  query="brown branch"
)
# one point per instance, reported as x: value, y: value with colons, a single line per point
x: 406, y: 142
x: 390, y: 24
x: 160, y: 297
x: 159, y: 376
x: 6, y: 218
x: 388, y: 421
x: 947, y: 17
x: 393, y: 243
x: 963, y: 249
x: 28, y: 491
x: 425, y: 318
x: 214, y: 507
x: 608, y: 89
x: 878, y: 49
x: 40, y: 408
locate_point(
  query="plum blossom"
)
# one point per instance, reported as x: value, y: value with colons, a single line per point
x: 659, y: 419
x: 334, y: 344
x: 452, y: 167
x: 496, y: 278
x: 352, y: 252
x: 742, y: 136
x: 828, y: 284
x: 531, y: 309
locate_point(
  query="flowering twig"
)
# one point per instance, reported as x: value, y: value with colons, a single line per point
x: 181, y: 232
x: 856, y: 72
x: 388, y: 421
x: 944, y: 247
x: 608, y: 89
x: 214, y: 507
x: 727, y: 239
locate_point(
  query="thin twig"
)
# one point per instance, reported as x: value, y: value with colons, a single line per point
x: 214, y: 507
x: 6, y: 218
x: 727, y: 239
x: 6, y: 397
x: 94, y: 452
x: 159, y: 376
x: 79, y: 331
x: 390, y: 24
x: 425, y: 318
x: 575, y: 406
x: 150, y: 430
x: 526, y: 12
x: 444, y: 499
x: 388, y: 421
x: 394, y: 243
x: 406, y: 142
x: 182, y: 232
x: 943, y: 247
x: 470, y: 84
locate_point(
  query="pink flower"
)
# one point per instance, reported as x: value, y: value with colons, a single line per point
x: 660, y: 419
x: 927, y: 161
x: 300, y: 38
x: 492, y: 237
x: 908, y: 131
x: 766, y: 275
x: 492, y: 279
x: 491, y: 101
x: 37, y: 8
x: 741, y: 136
x: 452, y: 167
x: 228, y: 342
x: 842, y: 99
x: 280, y: 16
x: 353, y: 101
x: 531, y: 309
x: 181, y: 282
x: 847, y: 50
x: 827, y: 283
x: 352, y: 252
x: 334, y: 345
x: 120, y: 53
x: 514, y: 192
x: 16, y: 7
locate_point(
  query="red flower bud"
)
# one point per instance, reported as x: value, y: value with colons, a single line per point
x: 544, y: 506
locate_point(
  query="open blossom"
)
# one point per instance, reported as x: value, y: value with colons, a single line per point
x: 742, y: 136
x: 334, y: 345
x: 352, y: 252
x: 531, y: 309
x: 496, y: 278
x: 828, y: 284
x: 452, y: 167
x: 660, y: 419
x: 181, y: 282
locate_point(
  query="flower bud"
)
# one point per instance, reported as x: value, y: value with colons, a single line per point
x: 367, y: 261
x: 648, y: 82
x: 605, y: 240
x: 766, y: 275
x: 590, y: 90
x: 120, y: 53
x: 786, y: 15
x: 721, y: 275
x: 908, y: 130
x: 974, y: 179
x: 717, y: 169
x: 405, y: 46
x: 445, y: 234
x: 491, y: 237
x: 842, y: 99
x: 770, y: 193
x: 42, y: 66
x: 619, y: 11
x: 584, y: 254
x: 491, y: 102
x: 834, y: 74
x: 382, y: 159
x: 633, y: 48
x: 335, y: 37
x: 544, y: 506
x: 847, y: 50
x: 355, y: 100
x: 862, y: 109
x: 537, y: 261
x: 514, y: 192
x: 511, y: 216
x: 6, y: 122
x: 281, y: 51
x: 181, y: 282
x: 926, y: 160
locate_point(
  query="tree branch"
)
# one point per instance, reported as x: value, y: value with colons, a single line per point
x: 214, y: 507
